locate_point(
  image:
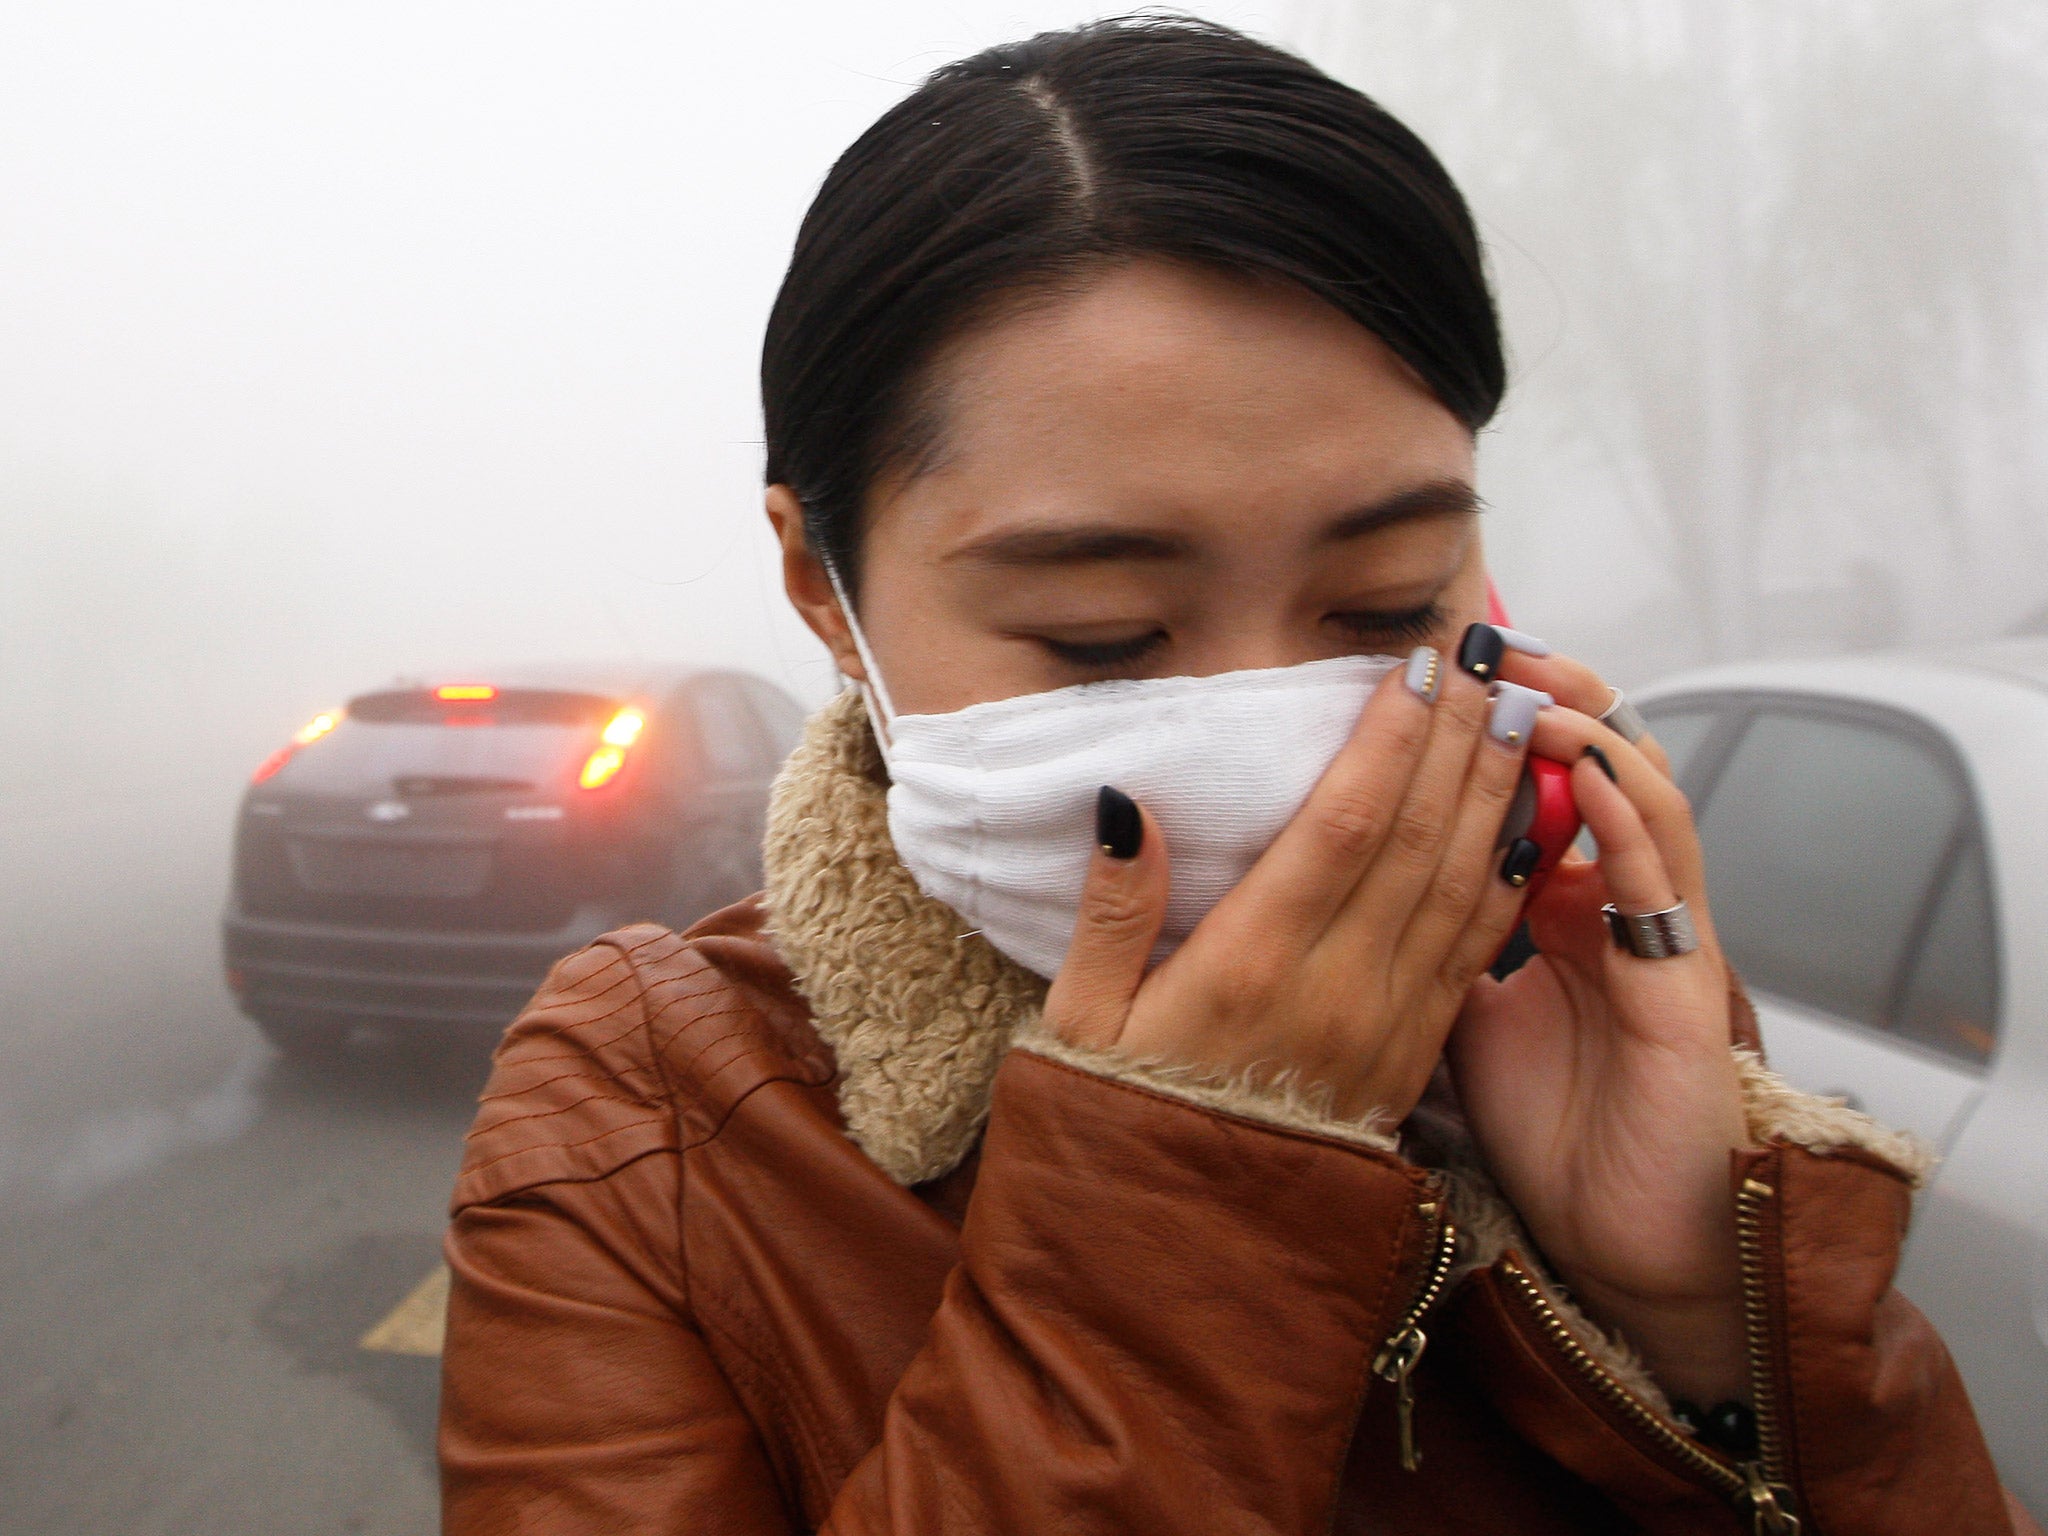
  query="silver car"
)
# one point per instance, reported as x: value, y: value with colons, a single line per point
x: 1876, y: 832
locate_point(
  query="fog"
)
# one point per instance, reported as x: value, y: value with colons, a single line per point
x: 345, y: 343
x: 1776, y: 290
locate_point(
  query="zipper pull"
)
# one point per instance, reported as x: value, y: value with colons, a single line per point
x: 1395, y: 1363
x: 1402, y: 1352
x: 1768, y: 1515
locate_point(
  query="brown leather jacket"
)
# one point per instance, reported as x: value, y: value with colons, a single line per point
x: 763, y: 1237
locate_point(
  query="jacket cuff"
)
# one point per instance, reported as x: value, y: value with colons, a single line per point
x: 1777, y: 1114
x: 1875, y: 1430
x: 1277, y: 1099
x: 1780, y: 1114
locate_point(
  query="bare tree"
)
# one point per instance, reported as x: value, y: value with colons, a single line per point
x: 1774, y: 283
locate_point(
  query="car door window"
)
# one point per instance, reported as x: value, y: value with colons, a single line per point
x: 1825, y: 836
x: 1950, y: 1002
x: 732, y: 742
x: 1681, y: 732
x: 780, y: 714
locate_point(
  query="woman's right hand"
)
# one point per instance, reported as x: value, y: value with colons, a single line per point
x: 1344, y: 956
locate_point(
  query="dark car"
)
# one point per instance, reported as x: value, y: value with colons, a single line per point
x: 420, y: 858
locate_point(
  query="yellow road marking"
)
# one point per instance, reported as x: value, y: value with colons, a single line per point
x: 417, y: 1325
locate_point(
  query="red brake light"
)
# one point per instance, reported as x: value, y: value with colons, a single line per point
x: 465, y: 693
x: 269, y: 766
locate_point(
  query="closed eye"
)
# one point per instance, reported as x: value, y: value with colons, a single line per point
x: 1409, y: 624
x: 1105, y: 654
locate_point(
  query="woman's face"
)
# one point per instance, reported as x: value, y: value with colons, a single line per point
x: 1171, y: 472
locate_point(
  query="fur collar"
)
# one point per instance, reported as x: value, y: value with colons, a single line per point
x: 918, y: 1010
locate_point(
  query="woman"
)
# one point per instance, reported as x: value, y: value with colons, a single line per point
x: 1105, y: 1121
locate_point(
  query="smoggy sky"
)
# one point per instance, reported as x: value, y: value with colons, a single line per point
x: 344, y: 341
x: 348, y: 341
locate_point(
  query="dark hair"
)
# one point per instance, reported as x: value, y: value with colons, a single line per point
x: 1029, y: 166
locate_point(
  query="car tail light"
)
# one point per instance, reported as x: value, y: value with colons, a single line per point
x: 613, y: 742
x: 317, y: 727
x: 304, y: 736
x: 465, y: 693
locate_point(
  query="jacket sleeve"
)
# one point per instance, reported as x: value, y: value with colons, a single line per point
x: 1162, y: 1318
x: 576, y: 1395
x: 1875, y: 1430
x: 1864, y: 1424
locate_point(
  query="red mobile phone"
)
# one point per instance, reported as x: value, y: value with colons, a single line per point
x: 1543, y: 809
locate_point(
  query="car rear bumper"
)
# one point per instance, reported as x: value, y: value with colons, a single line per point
x: 299, y: 970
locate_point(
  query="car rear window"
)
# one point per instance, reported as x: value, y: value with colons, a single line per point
x: 521, y: 739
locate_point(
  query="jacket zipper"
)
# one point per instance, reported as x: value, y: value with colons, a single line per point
x: 1770, y: 1498
x: 1745, y: 1485
x: 1402, y: 1352
x: 1717, y: 1470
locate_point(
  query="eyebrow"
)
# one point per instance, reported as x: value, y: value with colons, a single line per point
x: 1095, y: 543
x: 1437, y: 498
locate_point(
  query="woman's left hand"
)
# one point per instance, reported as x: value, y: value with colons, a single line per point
x: 1600, y: 1085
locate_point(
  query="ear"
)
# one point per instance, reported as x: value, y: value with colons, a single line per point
x: 809, y: 588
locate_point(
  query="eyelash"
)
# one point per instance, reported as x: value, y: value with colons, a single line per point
x: 1415, y: 624
x: 1107, y: 653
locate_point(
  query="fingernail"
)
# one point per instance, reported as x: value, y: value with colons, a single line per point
x: 1479, y: 652
x: 1522, y: 858
x: 1513, y: 713
x: 1515, y: 640
x: 1600, y: 760
x: 1118, y: 826
x: 1425, y: 673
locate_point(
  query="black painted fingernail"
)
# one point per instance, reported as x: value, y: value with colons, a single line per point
x: 1600, y: 759
x: 1118, y: 826
x: 1523, y: 857
x: 1479, y: 652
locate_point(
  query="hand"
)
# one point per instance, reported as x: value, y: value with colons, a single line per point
x: 1600, y: 1085
x: 1345, y: 953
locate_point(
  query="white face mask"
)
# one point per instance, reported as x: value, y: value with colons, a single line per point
x: 992, y: 807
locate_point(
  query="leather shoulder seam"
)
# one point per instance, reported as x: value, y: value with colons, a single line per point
x: 514, y: 1193
x: 714, y: 1112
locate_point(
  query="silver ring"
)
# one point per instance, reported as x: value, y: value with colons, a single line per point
x: 1652, y: 935
x: 1621, y: 718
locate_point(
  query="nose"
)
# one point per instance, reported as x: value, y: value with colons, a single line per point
x: 1249, y: 647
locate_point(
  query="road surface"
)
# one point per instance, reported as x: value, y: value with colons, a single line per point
x: 197, y: 1236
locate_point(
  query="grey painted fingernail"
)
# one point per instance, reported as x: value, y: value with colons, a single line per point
x: 1513, y: 713
x: 1425, y: 673
x: 1528, y: 645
